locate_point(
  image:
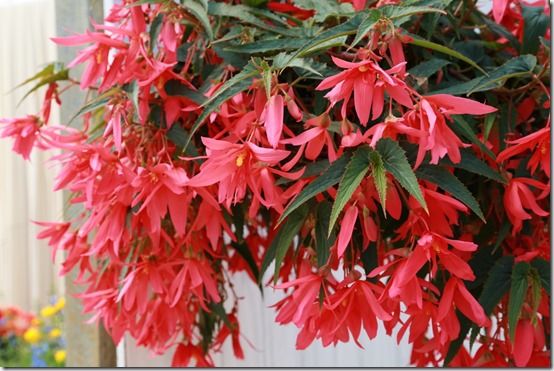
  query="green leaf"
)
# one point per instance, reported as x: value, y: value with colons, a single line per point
x: 465, y: 325
x: 267, y: 46
x: 155, y: 28
x: 180, y: 137
x: 200, y: 13
x: 283, y: 60
x: 177, y: 89
x: 400, y: 13
x: 230, y: 88
x: 462, y: 127
x: 243, y: 13
x: 394, y: 159
x: 543, y: 268
x: 498, y: 29
x: 535, y: 24
x: 416, y: 40
x: 379, y: 175
x: 96, y: 103
x: 451, y: 184
x: 520, y: 66
x: 218, y: 309
x: 49, y: 74
x: 428, y: 68
x: 347, y: 28
x: 329, y: 178
x: 323, y: 242
x: 518, y: 291
x: 373, y: 16
x: 132, y: 90
x: 470, y: 162
x: 353, y: 175
x: 325, y: 8
x: 283, y: 239
x: 244, y: 252
x: 497, y: 284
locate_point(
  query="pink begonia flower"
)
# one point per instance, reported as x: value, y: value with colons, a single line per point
x: 24, y: 131
x: 369, y: 82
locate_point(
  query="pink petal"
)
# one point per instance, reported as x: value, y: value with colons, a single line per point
x: 346, y: 229
x: 274, y: 119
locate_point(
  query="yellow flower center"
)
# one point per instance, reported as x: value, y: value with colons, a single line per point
x: 240, y: 159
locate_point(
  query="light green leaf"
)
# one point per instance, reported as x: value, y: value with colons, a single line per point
x: 353, y: 175
x: 394, y: 159
x: 96, y: 103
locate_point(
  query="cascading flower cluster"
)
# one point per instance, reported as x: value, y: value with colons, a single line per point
x: 326, y: 137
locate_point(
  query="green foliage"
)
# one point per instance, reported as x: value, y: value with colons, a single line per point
x: 395, y: 162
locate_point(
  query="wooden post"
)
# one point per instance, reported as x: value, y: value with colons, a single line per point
x: 87, y: 345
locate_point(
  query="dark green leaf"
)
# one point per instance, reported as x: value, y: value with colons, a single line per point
x: 470, y: 162
x: 267, y: 46
x: 428, y: 68
x: 218, y: 309
x: 323, y: 242
x: 394, y: 159
x: 200, y: 13
x: 518, y: 291
x: 325, y: 8
x: 245, y: 253
x: 283, y: 240
x: 353, y: 175
x: 95, y: 103
x: 373, y: 16
x: 242, y: 13
x: 328, y: 179
x: 451, y: 184
x: 379, y: 175
x: 535, y: 24
x: 543, y: 268
x: 462, y: 127
x: 347, y: 28
x: 180, y: 137
x: 177, y: 89
x: 416, y: 40
x: 465, y: 325
x: 233, y: 86
x: 497, y: 284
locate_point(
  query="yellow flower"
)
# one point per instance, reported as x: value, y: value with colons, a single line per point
x: 60, y: 355
x: 60, y: 304
x: 32, y: 335
x: 48, y: 311
x: 55, y: 333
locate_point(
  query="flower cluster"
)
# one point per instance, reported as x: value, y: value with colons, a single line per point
x: 327, y: 139
x: 27, y: 340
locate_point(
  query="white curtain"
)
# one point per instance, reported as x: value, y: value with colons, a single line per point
x: 27, y: 275
x: 274, y: 345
